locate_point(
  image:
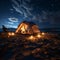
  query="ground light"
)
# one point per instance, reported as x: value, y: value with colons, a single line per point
x: 31, y: 38
x: 34, y: 38
x: 38, y: 36
x: 11, y: 34
x: 43, y: 33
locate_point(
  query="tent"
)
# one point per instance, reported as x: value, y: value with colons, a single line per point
x: 27, y: 28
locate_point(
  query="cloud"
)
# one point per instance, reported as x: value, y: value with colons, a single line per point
x: 18, y: 9
x: 11, y: 26
x: 15, y: 2
x: 10, y: 22
x: 34, y: 12
x: 11, y: 9
x: 13, y: 19
x: 22, y: 7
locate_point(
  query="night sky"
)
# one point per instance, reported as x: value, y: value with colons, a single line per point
x: 45, y: 13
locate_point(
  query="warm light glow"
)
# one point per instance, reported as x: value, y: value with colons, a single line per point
x: 31, y: 38
x: 43, y: 33
x: 11, y: 34
x: 22, y: 28
x: 38, y: 35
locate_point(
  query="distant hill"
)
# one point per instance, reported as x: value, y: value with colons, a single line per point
x: 50, y: 29
x: 54, y: 30
x: 41, y: 29
x: 9, y: 29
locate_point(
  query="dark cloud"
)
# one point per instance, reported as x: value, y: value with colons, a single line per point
x: 39, y: 11
x: 13, y: 19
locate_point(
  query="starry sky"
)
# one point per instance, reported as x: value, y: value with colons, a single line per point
x: 45, y: 13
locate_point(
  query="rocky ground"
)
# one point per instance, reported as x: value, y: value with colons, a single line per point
x: 18, y: 48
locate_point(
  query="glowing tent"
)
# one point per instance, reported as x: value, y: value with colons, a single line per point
x: 27, y: 28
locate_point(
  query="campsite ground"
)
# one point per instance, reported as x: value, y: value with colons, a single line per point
x: 18, y: 48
